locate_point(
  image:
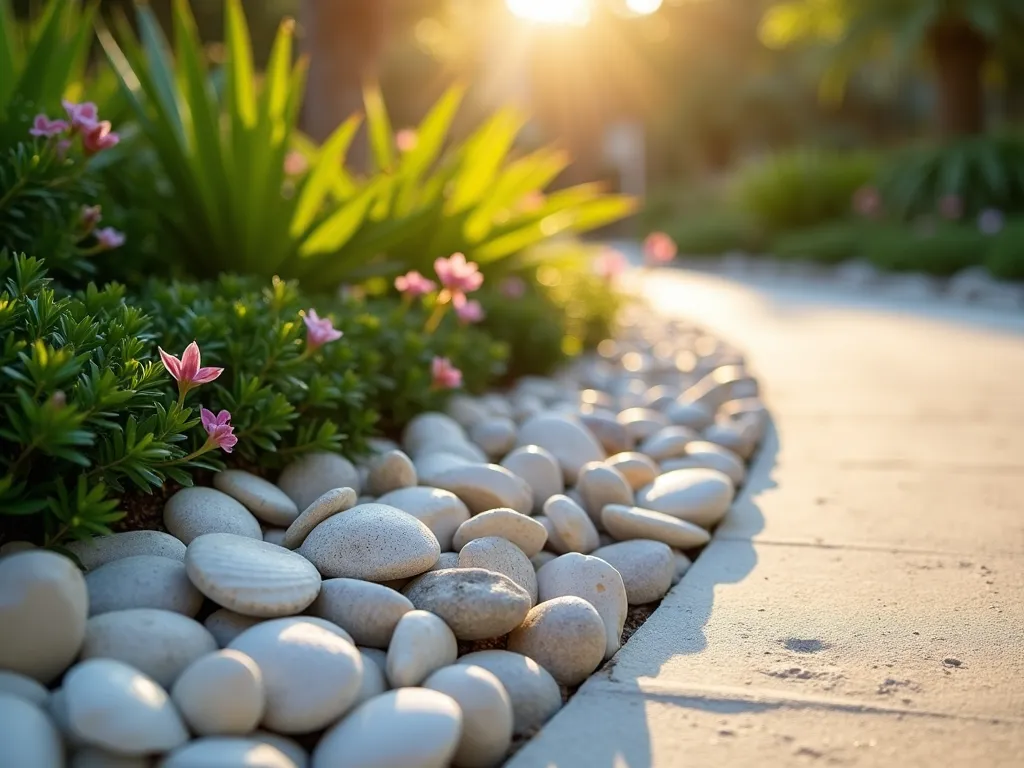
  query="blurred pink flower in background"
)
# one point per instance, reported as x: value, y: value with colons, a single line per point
x: 295, y: 163
x: 867, y: 202
x: 319, y: 330
x: 90, y: 216
x: 219, y: 430
x: 45, y: 127
x: 659, y: 248
x: 470, y: 312
x: 532, y: 201
x: 99, y: 137
x: 991, y: 221
x: 414, y: 284
x: 444, y: 374
x: 109, y: 238
x: 512, y: 287
x: 951, y: 207
x: 609, y: 264
x: 83, y: 116
x: 406, y: 140
x: 458, y: 275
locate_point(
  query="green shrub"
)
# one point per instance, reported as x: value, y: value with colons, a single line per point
x: 231, y: 207
x: 982, y: 172
x: 87, y: 410
x: 1006, y: 256
x: 938, y: 250
x: 802, y: 188
x: 827, y: 243
x: 716, y: 232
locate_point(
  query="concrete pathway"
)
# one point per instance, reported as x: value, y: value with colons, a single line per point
x: 863, y: 603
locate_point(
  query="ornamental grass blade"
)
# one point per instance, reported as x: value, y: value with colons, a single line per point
x: 484, y: 154
x: 322, y: 178
x: 378, y: 126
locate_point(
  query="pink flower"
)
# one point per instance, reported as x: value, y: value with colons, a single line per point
x: 470, y: 312
x: 219, y: 430
x: 458, y: 275
x: 187, y: 371
x: 62, y: 148
x: 413, y: 284
x: 990, y: 221
x: 951, y: 207
x: 512, y: 287
x: 91, y: 216
x: 659, y: 248
x: 45, y: 127
x: 406, y: 140
x: 109, y: 238
x: 82, y: 116
x: 319, y: 330
x: 609, y: 264
x: 444, y: 374
x: 295, y: 163
x: 98, y: 137
x: 867, y: 202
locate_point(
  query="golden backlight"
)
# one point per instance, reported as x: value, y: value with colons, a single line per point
x: 574, y: 12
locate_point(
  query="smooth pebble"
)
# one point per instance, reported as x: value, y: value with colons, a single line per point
x: 422, y: 643
x: 646, y: 567
x: 565, y: 635
x: 599, y: 485
x: 142, y: 581
x: 220, y: 694
x: 637, y: 468
x: 523, y: 531
x: 565, y: 437
x: 191, y: 512
x: 324, y: 506
x: 539, y: 469
x: 475, y: 603
x: 312, y: 475
x: 494, y: 553
x: 486, y: 713
x: 100, y: 550
x: 441, y: 511
x: 575, y: 531
x: 700, y: 496
x: 531, y: 688
x: 390, y: 471
x: 368, y: 612
x: 227, y: 752
x: 261, y: 497
x: 486, y: 486
x: 625, y: 523
x: 29, y: 738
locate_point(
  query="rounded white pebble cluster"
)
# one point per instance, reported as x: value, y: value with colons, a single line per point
x: 421, y: 608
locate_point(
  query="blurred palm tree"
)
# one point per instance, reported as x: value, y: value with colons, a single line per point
x: 960, y: 36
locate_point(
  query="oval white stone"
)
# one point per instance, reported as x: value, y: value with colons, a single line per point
x: 539, y: 469
x: 261, y: 497
x: 574, y: 530
x: 494, y: 553
x: 625, y: 523
x: 191, y: 512
x: 565, y: 635
x: 227, y: 752
x: 525, y: 532
x: 28, y: 737
x: 700, y: 496
x: 565, y: 438
x: 486, y: 713
x: 221, y: 694
x: 441, y: 511
x: 531, y: 688
x: 101, y: 550
x: 330, y: 503
x: 646, y: 568
x: 422, y: 643
x: 313, y: 474
x: 367, y: 611
x: 142, y: 581
x: 486, y: 486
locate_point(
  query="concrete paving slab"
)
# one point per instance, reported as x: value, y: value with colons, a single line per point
x: 604, y: 727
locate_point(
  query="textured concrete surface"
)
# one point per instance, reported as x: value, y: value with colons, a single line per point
x: 863, y: 603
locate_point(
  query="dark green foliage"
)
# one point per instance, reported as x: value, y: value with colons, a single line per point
x: 86, y: 412
x: 1006, y: 256
x: 714, y: 232
x: 984, y: 172
x: 935, y: 249
x: 803, y: 187
x: 285, y: 401
x: 828, y: 243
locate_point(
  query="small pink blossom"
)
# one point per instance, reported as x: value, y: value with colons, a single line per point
x: 62, y: 148
x: 951, y: 207
x: 187, y: 371
x: 470, y: 312
x: 98, y: 137
x: 219, y: 430
x: 413, y: 284
x: 319, y: 330
x: 867, y: 201
x: 406, y: 140
x: 659, y: 248
x: 458, y: 275
x: 295, y: 163
x: 512, y: 287
x: 609, y: 264
x: 444, y: 374
x: 91, y: 216
x: 83, y: 116
x: 45, y: 127
x: 990, y: 221
x: 109, y: 238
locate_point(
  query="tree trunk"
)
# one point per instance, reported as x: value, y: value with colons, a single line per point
x: 343, y: 39
x: 959, y: 52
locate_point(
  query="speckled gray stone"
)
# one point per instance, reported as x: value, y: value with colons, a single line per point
x: 100, y: 550
x: 494, y: 553
x: 646, y: 567
x: 324, y: 506
x: 43, y: 613
x: 441, y: 511
x: 313, y: 474
x: 191, y: 512
x: 446, y: 560
x: 389, y: 472
x: 523, y: 531
x: 475, y: 603
x: 261, y: 497
x: 251, y: 577
x: 367, y: 611
x: 142, y: 581
x: 115, y: 707
x: 625, y: 523
x: 539, y: 469
x: 374, y: 542
x: 565, y: 635
x: 311, y: 675
x: 531, y: 688
x: 157, y: 643
x: 422, y: 644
